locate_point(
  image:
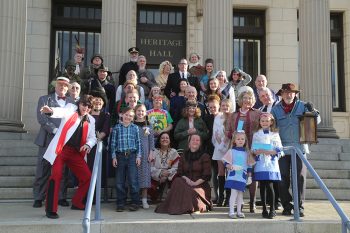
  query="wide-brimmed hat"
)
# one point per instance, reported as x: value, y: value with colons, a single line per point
x: 63, y: 80
x: 288, y: 87
x: 99, y: 92
x: 104, y: 68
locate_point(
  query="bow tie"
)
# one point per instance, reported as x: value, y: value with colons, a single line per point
x: 61, y: 98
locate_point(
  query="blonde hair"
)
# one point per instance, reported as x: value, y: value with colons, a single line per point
x: 240, y: 97
x: 250, y: 159
x: 163, y: 64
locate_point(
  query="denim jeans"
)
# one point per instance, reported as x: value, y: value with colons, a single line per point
x: 127, y: 168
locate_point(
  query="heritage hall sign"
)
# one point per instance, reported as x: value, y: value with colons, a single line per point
x: 160, y: 46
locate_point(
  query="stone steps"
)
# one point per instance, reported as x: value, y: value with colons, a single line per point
x: 18, y: 160
x: 17, y: 170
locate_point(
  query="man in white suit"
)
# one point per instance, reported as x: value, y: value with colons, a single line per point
x: 74, y: 138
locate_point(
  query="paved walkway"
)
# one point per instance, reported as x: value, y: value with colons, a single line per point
x: 22, y: 212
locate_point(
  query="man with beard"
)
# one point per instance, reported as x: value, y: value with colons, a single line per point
x: 287, y: 114
x: 131, y: 65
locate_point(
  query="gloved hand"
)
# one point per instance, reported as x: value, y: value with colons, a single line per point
x: 310, y: 107
x: 249, y: 180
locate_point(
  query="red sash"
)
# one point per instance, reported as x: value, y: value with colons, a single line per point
x: 70, y: 122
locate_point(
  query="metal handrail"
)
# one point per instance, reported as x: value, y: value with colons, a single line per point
x: 296, y: 151
x: 95, y: 181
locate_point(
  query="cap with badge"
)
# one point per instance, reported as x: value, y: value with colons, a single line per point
x: 134, y: 50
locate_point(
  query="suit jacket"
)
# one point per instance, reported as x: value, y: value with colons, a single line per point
x: 173, y: 82
x: 47, y: 124
x: 65, y: 113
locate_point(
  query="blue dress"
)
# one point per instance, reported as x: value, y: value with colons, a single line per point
x: 237, y: 179
x: 266, y: 167
x: 147, y: 144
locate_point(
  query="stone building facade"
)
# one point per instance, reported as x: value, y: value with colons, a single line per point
x: 293, y: 46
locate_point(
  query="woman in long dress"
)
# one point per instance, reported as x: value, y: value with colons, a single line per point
x: 190, y: 191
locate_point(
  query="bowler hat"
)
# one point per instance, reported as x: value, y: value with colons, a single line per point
x: 133, y: 50
x: 288, y: 87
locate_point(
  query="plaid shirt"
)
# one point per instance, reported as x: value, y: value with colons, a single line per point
x: 125, y: 139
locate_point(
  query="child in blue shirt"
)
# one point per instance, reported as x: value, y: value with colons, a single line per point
x: 238, y: 162
x: 126, y: 155
x: 267, y: 146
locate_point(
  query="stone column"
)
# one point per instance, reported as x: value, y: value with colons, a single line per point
x: 13, y: 14
x: 116, y: 32
x: 315, y: 63
x: 217, y: 33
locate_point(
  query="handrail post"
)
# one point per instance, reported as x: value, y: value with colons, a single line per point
x: 295, y: 185
x: 87, y: 212
x: 98, y: 190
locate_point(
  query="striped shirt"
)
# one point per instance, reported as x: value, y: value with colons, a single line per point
x: 124, y: 139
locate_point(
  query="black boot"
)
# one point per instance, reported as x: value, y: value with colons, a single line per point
x: 227, y: 197
x: 221, y: 183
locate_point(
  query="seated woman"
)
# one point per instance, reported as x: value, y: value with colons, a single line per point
x: 190, y: 191
x: 191, y: 123
x: 164, y: 166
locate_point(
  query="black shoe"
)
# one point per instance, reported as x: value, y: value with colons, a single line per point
x: 120, y: 208
x: 38, y: 203
x: 52, y: 215
x: 73, y: 207
x: 133, y: 207
x: 272, y: 214
x: 287, y: 210
x: 252, y: 207
x: 220, y: 202
x: 265, y: 214
x: 63, y: 202
x: 301, y: 212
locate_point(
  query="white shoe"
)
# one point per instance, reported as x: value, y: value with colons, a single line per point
x: 240, y: 215
x: 233, y: 216
x: 145, y: 205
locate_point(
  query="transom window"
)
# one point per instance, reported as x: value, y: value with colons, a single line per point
x: 249, y: 41
x: 163, y: 17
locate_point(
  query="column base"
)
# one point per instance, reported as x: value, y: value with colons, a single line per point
x: 14, y: 127
x: 326, y: 132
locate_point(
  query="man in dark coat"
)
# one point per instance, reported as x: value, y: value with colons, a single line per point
x: 131, y: 65
x: 172, y: 86
x: 101, y: 82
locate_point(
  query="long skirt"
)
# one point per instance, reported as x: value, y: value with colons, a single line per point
x: 185, y: 199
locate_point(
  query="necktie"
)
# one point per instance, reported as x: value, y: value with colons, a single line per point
x: 183, y: 75
x: 61, y: 98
